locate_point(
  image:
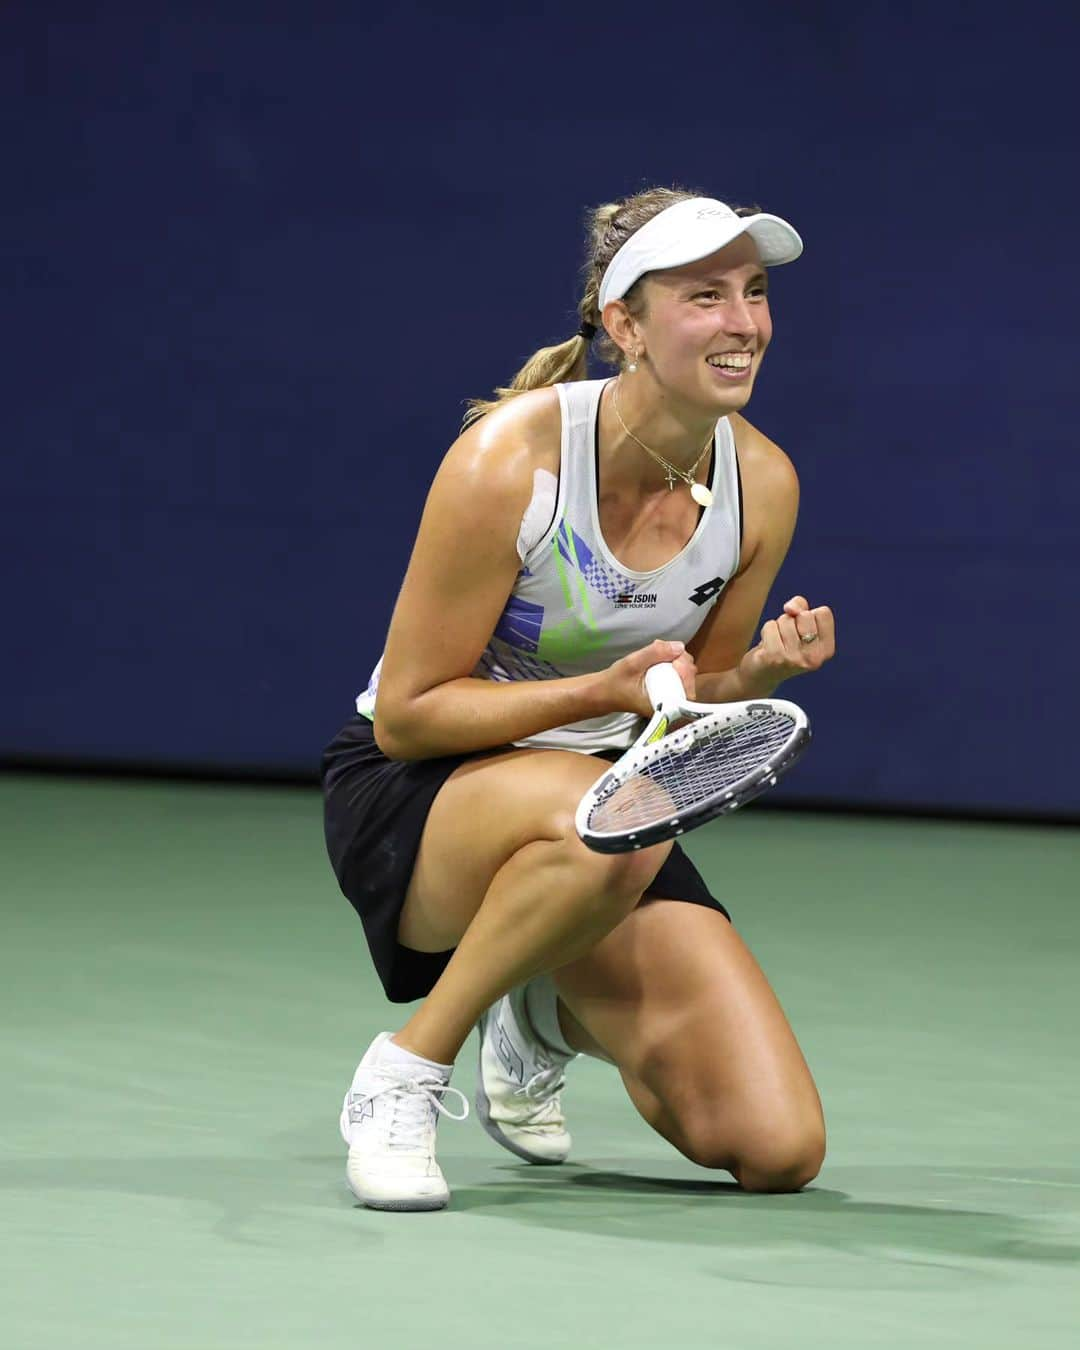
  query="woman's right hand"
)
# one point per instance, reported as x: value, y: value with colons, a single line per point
x: 626, y: 678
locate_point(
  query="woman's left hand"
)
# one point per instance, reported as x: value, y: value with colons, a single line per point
x: 800, y: 640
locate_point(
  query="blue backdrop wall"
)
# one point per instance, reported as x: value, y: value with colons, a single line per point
x: 261, y: 255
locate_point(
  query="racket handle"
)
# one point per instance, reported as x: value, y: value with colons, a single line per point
x: 663, y: 686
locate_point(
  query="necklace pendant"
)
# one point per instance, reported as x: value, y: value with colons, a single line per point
x: 670, y: 479
x: 701, y: 494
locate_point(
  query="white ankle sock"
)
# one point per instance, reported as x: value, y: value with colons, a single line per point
x: 392, y: 1053
x: 542, y: 1008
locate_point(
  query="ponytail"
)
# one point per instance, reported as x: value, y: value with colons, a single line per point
x: 610, y: 226
x: 550, y: 365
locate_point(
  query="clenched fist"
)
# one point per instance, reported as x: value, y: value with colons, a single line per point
x: 800, y: 640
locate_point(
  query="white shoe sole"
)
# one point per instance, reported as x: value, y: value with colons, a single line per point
x: 439, y: 1200
x: 420, y: 1203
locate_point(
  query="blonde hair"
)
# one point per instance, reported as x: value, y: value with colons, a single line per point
x: 609, y: 227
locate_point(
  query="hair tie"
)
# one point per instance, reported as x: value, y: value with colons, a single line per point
x: 586, y: 331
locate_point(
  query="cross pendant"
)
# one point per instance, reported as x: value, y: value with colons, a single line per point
x: 670, y: 480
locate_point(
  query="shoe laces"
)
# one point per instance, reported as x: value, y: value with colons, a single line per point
x: 543, y: 1088
x: 417, y: 1104
x: 549, y: 1079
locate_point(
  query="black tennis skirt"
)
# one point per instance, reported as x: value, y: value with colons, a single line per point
x: 374, y: 814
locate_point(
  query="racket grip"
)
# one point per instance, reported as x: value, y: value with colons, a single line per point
x: 663, y: 686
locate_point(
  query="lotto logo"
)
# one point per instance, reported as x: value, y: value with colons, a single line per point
x: 360, y: 1108
x: 708, y: 591
x: 511, y: 1060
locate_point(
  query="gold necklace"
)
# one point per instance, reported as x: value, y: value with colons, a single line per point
x: 698, y: 491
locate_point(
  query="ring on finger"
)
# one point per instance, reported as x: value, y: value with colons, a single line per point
x: 808, y: 637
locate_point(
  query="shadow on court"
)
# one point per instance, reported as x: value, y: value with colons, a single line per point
x: 950, y: 1221
x: 716, y: 1213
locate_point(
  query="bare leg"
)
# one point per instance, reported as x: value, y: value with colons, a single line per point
x: 678, y: 1002
x: 577, y: 1038
x: 544, y: 907
x: 513, y: 887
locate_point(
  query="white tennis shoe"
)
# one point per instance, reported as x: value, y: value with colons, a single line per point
x: 519, y: 1084
x: 388, y: 1120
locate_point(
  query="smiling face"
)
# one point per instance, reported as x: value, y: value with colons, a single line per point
x: 705, y: 327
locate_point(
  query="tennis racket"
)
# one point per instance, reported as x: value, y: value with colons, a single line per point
x: 719, y: 757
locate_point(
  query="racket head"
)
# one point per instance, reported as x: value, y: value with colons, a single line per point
x: 706, y: 768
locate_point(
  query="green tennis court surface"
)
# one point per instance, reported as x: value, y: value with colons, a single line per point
x: 186, y: 996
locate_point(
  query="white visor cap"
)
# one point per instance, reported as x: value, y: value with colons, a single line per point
x: 690, y: 230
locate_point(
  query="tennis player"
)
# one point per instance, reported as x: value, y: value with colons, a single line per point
x: 578, y: 532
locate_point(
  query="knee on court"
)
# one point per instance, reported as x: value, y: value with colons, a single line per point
x: 780, y: 1178
x: 777, y: 1162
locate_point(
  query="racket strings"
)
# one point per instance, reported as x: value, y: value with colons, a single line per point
x: 687, y: 774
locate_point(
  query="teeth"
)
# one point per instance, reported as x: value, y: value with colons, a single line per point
x: 730, y: 360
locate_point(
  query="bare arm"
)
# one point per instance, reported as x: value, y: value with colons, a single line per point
x: 462, y: 570
x: 729, y: 667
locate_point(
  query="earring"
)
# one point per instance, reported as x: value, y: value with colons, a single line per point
x: 631, y: 368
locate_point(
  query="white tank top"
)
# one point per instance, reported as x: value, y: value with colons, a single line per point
x: 575, y: 609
